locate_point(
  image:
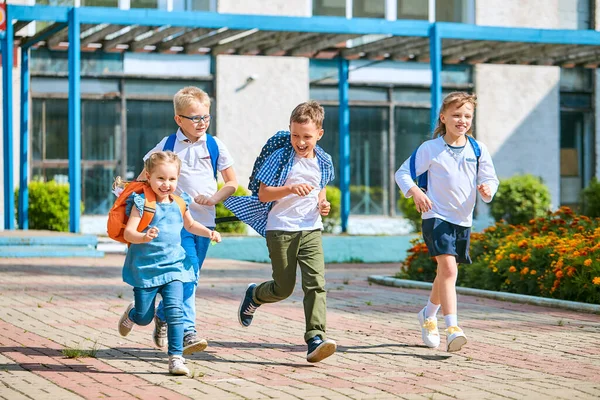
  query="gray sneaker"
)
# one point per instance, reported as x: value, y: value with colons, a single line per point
x: 159, y: 335
x: 125, y: 324
x: 191, y: 344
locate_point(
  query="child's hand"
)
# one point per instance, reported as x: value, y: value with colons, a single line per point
x: 324, y: 207
x: 215, y: 236
x: 151, y: 233
x: 301, y: 189
x: 485, y: 190
x: 422, y: 202
x: 204, y: 200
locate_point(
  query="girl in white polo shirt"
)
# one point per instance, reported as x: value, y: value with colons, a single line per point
x: 455, y: 175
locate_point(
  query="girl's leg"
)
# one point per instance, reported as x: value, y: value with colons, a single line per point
x: 143, y: 311
x: 444, y: 285
x: 172, y: 294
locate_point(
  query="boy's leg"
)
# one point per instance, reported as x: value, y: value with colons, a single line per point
x: 283, y: 252
x: 312, y: 267
x: 172, y: 294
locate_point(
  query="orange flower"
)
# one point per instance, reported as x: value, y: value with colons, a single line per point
x: 571, y: 271
x: 523, y: 243
x: 587, y: 262
x: 525, y: 271
x: 512, y: 269
x: 526, y: 258
x: 512, y: 256
x: 559, y: 274
x: 499, y: 257
x: 596, y: 280
x: 533, y: 272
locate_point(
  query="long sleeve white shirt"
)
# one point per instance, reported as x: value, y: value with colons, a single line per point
x: 452, y: 183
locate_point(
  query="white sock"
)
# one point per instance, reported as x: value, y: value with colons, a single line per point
x: 451, y: 320
x: 431, y: 309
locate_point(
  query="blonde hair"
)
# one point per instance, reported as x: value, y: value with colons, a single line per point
x: 155, y: 159
x: 186, y: 96
x: 458, y: 99
x: 309, y: 111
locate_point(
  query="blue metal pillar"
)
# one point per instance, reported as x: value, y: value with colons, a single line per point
x: 435, y: 59
x: 24, y: 150
x: 74, y: 120
x: 7, y: 123
x: 344, y: 139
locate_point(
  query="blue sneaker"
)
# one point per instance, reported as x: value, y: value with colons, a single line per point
x: 247, y: 307
x: 319, y: 349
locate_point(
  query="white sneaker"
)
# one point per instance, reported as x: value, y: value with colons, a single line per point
x: 177, y: 366
x: 429, y: 330
x: 125, y: 324
x: 455, y: 339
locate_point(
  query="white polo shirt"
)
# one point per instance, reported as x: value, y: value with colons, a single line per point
x: 452, y: 182
x: 197, y: 176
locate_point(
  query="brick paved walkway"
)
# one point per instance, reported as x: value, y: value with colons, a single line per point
x: 514, y: 352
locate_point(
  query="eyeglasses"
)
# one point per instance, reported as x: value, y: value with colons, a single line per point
x: 197, y: 118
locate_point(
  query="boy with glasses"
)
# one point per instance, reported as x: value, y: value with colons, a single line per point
x: 202, y: 156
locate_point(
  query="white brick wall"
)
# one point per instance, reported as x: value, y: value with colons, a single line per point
x: 249, y: 114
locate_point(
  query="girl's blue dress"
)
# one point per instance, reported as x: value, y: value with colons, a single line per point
x: 163, y: 259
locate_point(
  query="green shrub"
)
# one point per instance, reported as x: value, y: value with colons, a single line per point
x: 48, y: 205
x: 221, y: 211
x: 334, y: 196
x: 519, y: 199
x: 590, y: 199
x: 409, y: 210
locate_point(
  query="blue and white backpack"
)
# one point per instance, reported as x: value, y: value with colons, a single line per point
x: 211, y: 143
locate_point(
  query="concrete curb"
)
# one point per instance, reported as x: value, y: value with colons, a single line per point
x: 512, y: 297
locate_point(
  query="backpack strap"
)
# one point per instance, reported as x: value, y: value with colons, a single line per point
x: 213, y: 151
x: 180, y: 203
x: 421, y: 180
x: 476, y: 149
x: 149, y: 208
x: 170, y: 143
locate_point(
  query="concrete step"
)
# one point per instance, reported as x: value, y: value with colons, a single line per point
x: 45, y: 251
x: 54, y: 240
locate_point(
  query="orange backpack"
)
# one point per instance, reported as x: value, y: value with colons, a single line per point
x: 117, y: 218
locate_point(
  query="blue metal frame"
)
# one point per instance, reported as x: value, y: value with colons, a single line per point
x: 24, y: 146
x: 74, y: 120
x: 344, y: 140
x: 7, y: 121
x: 435, y: 59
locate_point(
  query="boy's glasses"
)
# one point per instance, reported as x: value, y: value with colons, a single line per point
x: 197, y: 118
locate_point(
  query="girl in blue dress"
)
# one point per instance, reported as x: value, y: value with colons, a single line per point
x: 156, y: 261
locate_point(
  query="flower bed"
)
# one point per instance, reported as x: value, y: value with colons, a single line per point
x: 555, y: 256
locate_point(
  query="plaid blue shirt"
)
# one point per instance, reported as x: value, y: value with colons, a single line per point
x: 273, y: 171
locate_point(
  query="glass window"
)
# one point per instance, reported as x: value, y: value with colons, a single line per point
x: 47, y: 61
x: 368, y: 8
x: 335, y: 8
x: 368, y: 165
x: 147, y: 123
x: 100, y: 3
x: 445, y: 10
x: 413, y: 9
x: 143, y: 4
x: 101, y: 129
x: 191, y: 5
x: 411, y: 128
x: 162, y: 88
x: 576, y: 79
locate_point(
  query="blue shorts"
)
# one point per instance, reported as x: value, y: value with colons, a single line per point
x: 442, y: 237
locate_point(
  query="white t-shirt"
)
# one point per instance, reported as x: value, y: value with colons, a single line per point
x: 298, y: 213
x: 452, y: 183
x: 197, y: 176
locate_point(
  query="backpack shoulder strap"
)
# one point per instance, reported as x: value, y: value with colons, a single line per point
x: 476, y: 149
x: 170, y: 143
x: 181, y: 203
x: 149, y: 208
x: 213, y: 151
x: 412, y: 164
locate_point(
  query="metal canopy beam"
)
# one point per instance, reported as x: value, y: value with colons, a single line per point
x: 44, y: 34
x: 155, y: 38
x: 125, y: 38
x: 184, y: 38
x: 100, y: 34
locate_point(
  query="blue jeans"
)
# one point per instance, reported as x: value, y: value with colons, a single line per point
x: 196, y: 248
x: 143, y: 312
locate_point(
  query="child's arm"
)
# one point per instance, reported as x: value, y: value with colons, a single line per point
x: 267, y: 194
x: 324, y: 205
x: 132, y: 235
x: 229, y: 188
x: 408, y: 186
x: 197, y: 228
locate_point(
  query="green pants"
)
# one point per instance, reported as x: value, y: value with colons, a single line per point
x: 286, y: 250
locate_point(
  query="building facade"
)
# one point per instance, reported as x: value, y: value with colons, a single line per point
x: 534, y: 119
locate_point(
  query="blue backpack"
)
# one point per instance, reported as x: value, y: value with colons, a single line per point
x: 421, y: 180
x: 211, y: 143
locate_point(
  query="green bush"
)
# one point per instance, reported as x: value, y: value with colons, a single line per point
x: 334, y: 196
x: 409, y: 210
x: 48, y: 206
x: 221, y: 211
x: 590, y: 199
x: 519, y: 199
